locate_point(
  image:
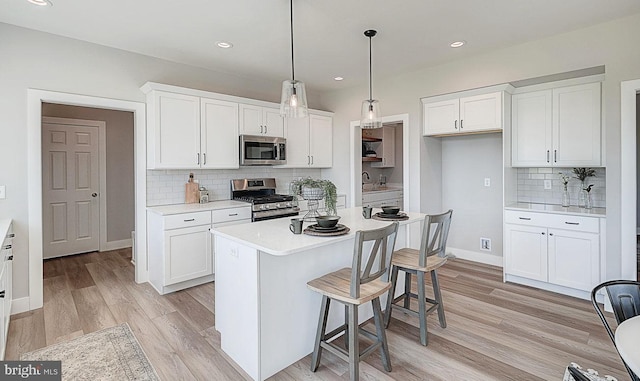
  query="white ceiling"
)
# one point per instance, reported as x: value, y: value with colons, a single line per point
x: 329, y: 38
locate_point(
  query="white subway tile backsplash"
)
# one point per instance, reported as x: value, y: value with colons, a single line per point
x: 530, y: 186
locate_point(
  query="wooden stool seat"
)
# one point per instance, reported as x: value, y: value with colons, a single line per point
x: 410, y: 259
x: 363, y: 282
x: 337, y: 285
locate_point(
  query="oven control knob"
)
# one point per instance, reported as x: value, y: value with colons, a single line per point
x: 264, y: 207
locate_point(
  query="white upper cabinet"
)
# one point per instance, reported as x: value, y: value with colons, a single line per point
x: 472, y: 114
x: 173, y: 136
x: 557, y: 127
x: 219, y: 134
x: 256, y: 120
x: 309, y: 142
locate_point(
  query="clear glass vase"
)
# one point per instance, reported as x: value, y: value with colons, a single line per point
x: 566, y: 198
x: 582, y: 196
x: 588, y: 203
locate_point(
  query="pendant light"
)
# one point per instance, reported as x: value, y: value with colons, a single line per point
x: 294, y: 95
x: 371, y: 117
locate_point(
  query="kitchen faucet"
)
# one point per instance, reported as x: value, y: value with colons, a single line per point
x: 365, y: 173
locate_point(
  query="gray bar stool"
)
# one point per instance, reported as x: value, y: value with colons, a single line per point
x: 420, y: 262
x: 352, y: 287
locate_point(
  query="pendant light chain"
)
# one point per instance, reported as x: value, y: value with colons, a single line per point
x: 293, y: 72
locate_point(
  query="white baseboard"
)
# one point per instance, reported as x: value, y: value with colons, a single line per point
x: 475, y: 256
x: 19, y: 305
x: 115, y: 245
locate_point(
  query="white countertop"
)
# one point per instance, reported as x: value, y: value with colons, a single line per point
x: 627, y: 338
x: 368, y: 189
x: 164, y: 210
x: 558, y: 209
x: 275, y: 238
x: 4, y: 228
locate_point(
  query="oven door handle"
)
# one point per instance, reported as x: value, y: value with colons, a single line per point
x: 276, y: 152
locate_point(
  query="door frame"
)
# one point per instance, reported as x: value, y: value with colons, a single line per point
x: 628, y: 185
x: 102, y: 169
x: 35, y: 98
x: 356, y: 159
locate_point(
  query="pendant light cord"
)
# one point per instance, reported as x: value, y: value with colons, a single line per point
x: 370, y: 80
x: 293, y: 73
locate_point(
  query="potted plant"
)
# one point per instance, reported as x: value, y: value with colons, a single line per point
x: 316, y: 189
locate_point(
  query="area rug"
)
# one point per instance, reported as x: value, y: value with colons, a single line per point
x: 111, y: 354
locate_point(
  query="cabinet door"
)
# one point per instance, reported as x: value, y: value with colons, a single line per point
x: 526, y: 251
x: 220, y: 147
x: 321, y: 141
x: 441, y: 118
x: 576, y: 124
x: 3, y: 335
x: 387, y: 149
x: 297, y: 135
x: 251, y: 120
x: 574, y: 259
x: 177, y: 131
x: 531, y: 120
x: 188, y: 254
x: 481, y: 113
x: 273, y: 122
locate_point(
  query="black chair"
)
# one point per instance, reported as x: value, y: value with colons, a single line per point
x: 624, y: 296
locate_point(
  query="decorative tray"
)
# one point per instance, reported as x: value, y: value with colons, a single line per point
x: 390, y: 217
x: 316, y: 230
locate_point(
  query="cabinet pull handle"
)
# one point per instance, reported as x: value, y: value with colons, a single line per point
x: 308, y: 160
x: 543, y: 233
x: 11, y: 235
x: 204, y: 158
x: 190, y: 219
x: 7, y: 247
x: 572, y: 223
x: 260, y: 128
x: 547, y: 156
x: 198, y: 157
x: 461, y: 124
x: 10, y: 258
x: 265, y: 129
x: 233, y: 214
x: 311, y: 159
x: 550, y: 234
x: 555, y: 155
x: 2, y: 294
x: 455, y: 124
x: 525, y: 218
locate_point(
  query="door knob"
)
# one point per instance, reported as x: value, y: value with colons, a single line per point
x: 94, y: 195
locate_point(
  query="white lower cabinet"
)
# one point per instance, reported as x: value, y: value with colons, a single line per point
x: 181, y: 249
x: 559, y: 252
x: 378, y: 198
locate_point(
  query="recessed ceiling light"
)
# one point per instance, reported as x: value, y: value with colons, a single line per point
x: 224, y: 44
x: 338, y: 78
x: 457, y: 44
x: 42, y: 3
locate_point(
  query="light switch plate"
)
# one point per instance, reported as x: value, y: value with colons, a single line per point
x: 3, y: 191
x: 547, y: 184
x: 487, y: 182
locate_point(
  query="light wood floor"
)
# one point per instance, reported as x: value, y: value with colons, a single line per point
x: 495, y: 331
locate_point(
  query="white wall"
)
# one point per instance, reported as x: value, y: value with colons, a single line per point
x: 610, y: 44
x: 38, y: 60
x: 119, y: 165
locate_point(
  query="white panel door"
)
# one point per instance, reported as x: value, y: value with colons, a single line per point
x: 219, y: 134
x: 441, y: 117
x: 576, y: 126
x: 70, y: 182
x: 526, y: 251
x: 574, y: 259
x: 531, y: 118
x: 178, y: 131
x: 273, y: 122
x: 481, y: 113
x: 297, y: 135
x: 188, y: 254
x: 321, y: 141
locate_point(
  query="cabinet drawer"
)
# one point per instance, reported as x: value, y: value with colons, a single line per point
x: 554, y: 221
x: 233, y: 214
x: 186, y: 220
x: 368, y: 197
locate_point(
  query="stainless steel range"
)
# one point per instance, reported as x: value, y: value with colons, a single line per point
x: 261, y: 193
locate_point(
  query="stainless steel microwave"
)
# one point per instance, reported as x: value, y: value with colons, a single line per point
x: 262, y: 150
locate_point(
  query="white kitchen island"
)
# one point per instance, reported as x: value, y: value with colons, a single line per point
x: 266, y: 315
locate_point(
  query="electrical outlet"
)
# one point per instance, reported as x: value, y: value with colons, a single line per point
x: 547, y: 184
x: 3, y: 192
x: 485, y: 244
x: 487, y: 182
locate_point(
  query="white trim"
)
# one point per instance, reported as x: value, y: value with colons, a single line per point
x: 476, y: 256
x: 34, y: 177
x: 356, y: 161
x: 628, y: 191
x: 116, y: 245
x: 19, y: 305
x: 102, y: 168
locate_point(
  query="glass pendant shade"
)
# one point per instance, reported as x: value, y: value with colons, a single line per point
x: 294, y: 99
x: 371, y: 117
